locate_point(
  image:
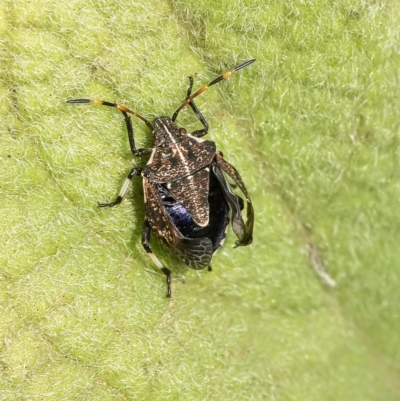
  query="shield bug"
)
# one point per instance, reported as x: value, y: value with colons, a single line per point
x: 188, y: 199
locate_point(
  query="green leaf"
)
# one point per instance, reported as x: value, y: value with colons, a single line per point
x: 313, y: 128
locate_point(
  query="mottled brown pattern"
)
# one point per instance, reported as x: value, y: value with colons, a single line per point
x: 192, y: 193
x: 179, y: 160
x: 158, y: 220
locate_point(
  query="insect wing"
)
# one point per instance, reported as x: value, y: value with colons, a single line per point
x: 238, y: 225
x: 196, y: 253
x: 156, y: 215
x: 247, y: 237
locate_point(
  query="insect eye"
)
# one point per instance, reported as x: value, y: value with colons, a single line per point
x: 182, y: 131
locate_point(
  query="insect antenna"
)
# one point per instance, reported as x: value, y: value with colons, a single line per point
x: 123, y: 109
x: 225, y: 75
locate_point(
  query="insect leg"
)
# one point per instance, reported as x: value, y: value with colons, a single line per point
x: 201, y: 132
x: 136, y: 152
x: 124, y: 110
x: 146, y: 246
x: 205, y: 87
x: 233, y: 173
x: 134, y: 172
